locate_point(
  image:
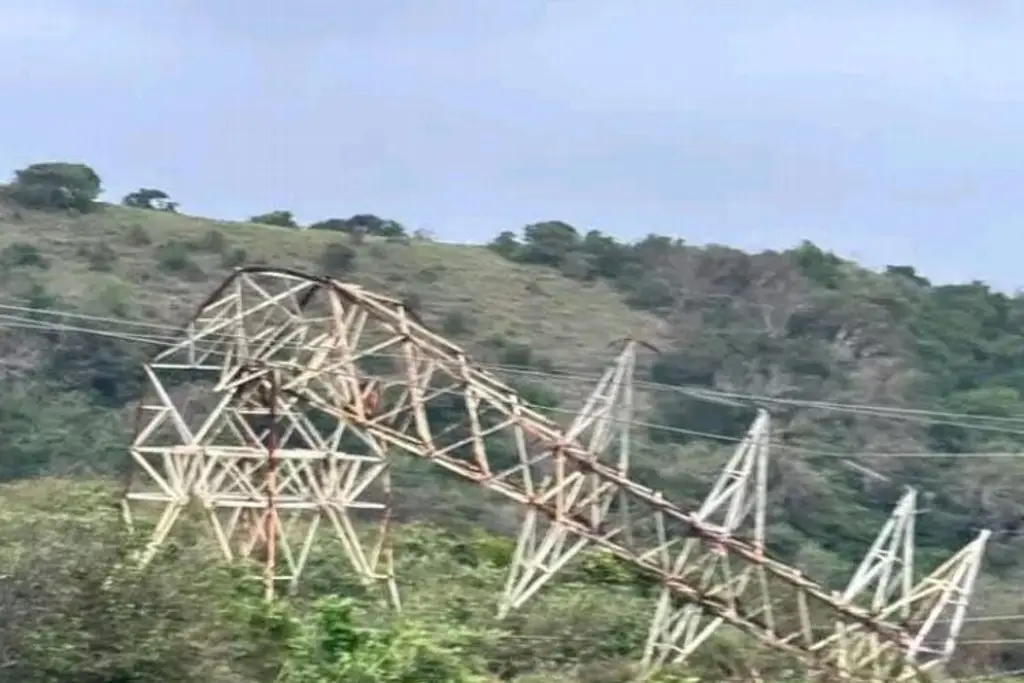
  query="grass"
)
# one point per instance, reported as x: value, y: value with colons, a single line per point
x: 159, y: 266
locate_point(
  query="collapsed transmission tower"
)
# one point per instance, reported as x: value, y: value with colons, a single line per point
x: 297, y: 416
x: 225, y: 425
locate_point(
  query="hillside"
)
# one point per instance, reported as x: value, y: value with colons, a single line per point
x: 159, y: 266
x: 801, y: 329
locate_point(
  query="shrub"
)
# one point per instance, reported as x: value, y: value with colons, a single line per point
x: 152, y: 199
x: 455, y: 323
x: 56, y: 185
x: 138, y: 237
x: 413, y: 302
x: 100, y: 257
x: 430, y: 274
x: 174, y: 257
x: 282, y: 219
x: 234, y: 258
x: 516, y: 354
x: 338, y: 259
x: 213, y: 240
x: 22, y: 255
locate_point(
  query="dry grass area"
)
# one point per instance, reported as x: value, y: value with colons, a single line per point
x: 157, y: 267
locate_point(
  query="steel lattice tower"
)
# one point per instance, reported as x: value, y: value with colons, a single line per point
x: 274, y: 413
x: 269, y: 471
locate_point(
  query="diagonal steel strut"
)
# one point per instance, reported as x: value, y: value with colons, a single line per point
x: 736, y: 507
x: 544, y: 547
x: 885, y: 583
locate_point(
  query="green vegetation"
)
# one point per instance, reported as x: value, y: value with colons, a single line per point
x: 796, y: 325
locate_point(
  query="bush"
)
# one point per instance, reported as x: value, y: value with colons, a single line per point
x: 282, y: 219
x: 338, y: 259
x: 517, y: 354
x: 455, y: 323
x: 138, y: 237
x: 212, y: 241
x: 362, y: 224
x: 174, y: 257
x: 152, y: 199
x: 431, y: 274
x: 537, y: 395
x: 22, y: 255
x: 234, y: 258
x: 577, y: 266
x: 56, y: 185
x: 413, y: 303
x: 100, y: 257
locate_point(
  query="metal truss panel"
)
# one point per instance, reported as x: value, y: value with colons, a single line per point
x: 735, y: 508
x: 603, y: 424
x: 295, y: 347
x: 270, y: 471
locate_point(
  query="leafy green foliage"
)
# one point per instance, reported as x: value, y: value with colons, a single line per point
x: 175, y: 257
x: 337, y: 259
x: 101, y: 257
x: 21, y: 255
x: 75, y: 609
x: 281, y: 218
x: 150, y: 198
x: 56, y: 185
x: 362, y: 225
x: 328, y: 646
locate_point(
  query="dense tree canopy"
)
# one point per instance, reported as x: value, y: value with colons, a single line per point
x: 56, y: 185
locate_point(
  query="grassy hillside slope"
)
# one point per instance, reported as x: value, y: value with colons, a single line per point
x: 802, y: 330
x: 159, y: 266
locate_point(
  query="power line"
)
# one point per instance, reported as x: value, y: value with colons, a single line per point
x: 696, y: 391
x: 166, y: 340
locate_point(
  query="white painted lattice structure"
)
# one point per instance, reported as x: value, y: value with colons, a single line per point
x: 297, y: 419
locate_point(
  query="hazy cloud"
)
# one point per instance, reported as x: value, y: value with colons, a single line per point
x: 893, y: 134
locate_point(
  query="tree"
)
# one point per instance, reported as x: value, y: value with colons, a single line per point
x: 549, y: 243
x: 374, y: 225
x: 150, y: 198
x: 608, y: 256
x: 280, y: 218
x: 56, y: 185
x: 506, y: 244
x: 335, y: 224
x: 74, y: 610
x: 362, y: 224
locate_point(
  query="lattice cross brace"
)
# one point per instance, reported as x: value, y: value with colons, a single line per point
x: 935, y: 609
x: 544, y: 548
x: 886, y: 574
x: 239, y: 341
x: 736, y: 504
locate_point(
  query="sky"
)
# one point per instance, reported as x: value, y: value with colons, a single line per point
x: 890, y: 132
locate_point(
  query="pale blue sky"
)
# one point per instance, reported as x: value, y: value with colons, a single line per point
x: 891, y: 131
